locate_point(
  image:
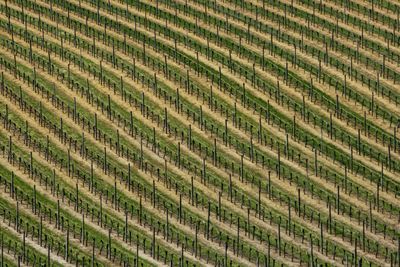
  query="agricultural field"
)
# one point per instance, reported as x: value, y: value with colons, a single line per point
x: 199, y: 133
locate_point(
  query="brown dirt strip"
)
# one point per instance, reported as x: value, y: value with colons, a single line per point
x: 10, y: 257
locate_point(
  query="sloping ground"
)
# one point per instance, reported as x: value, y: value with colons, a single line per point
x: 191, y: 133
